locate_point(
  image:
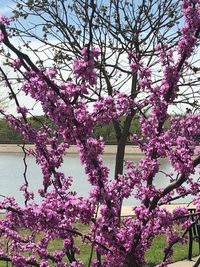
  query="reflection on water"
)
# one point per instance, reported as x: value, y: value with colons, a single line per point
x: 12, y: 168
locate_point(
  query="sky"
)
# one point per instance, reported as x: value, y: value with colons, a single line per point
x: 6, y: 7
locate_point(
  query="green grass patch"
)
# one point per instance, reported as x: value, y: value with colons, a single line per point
x: 153, y: 256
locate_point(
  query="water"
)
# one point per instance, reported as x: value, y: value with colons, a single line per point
x: 12, y: 168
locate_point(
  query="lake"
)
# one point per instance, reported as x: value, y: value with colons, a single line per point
x: 12, y: 168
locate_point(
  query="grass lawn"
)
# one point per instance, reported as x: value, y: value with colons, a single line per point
x: 154, y: 255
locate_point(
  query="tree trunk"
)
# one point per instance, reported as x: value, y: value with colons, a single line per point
x: 121, y: 145
x: 119, y: 160
x: 132, y: 262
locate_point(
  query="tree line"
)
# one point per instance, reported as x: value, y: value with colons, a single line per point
x: 8, y: 135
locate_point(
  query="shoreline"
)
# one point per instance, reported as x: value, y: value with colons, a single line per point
x: 108, y: 150
x: 128, y: 210
x: 130, y: 150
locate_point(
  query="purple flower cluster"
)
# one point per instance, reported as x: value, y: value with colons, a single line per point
x: 83, y: 69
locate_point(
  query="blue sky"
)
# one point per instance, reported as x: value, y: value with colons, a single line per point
x: 6, y: 10
x: 5, y: 7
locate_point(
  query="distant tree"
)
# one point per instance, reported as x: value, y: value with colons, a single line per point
x: 7, y: 134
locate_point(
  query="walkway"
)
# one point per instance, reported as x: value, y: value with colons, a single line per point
x: 184, y: 263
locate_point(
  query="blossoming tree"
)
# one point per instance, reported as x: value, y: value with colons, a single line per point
x: 116, y: 241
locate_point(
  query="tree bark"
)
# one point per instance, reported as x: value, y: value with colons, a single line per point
x: 121, y: 145
x: 132, y: 262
